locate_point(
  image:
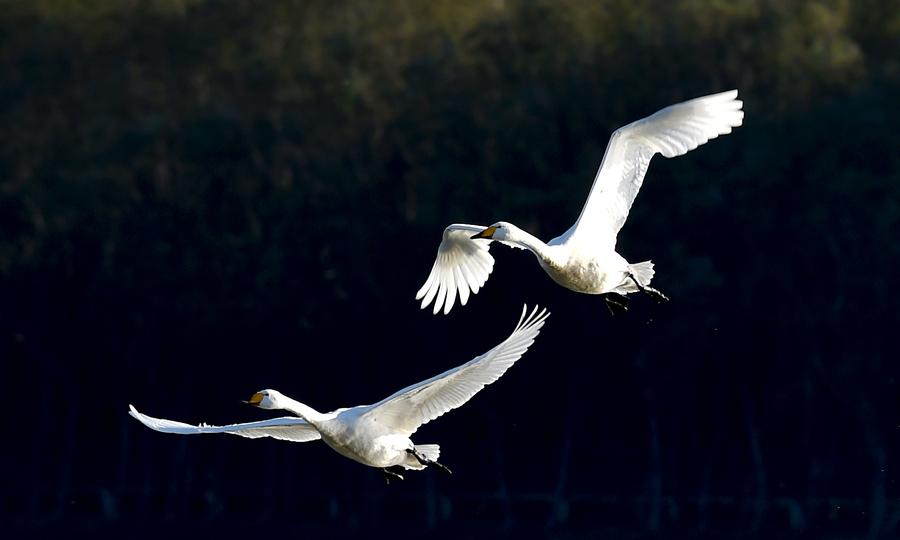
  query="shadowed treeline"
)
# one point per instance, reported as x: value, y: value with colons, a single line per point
x: 200, y: 199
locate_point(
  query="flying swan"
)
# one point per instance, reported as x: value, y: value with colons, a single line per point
x: 584, y: 258
x: 378, y: 435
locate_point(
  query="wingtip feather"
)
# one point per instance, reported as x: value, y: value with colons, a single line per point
x: 532, y: 319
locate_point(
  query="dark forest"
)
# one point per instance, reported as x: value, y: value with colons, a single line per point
x: 200, y: 199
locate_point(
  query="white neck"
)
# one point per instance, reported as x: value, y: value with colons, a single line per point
x: 530, y: 242
x: 303, y: 411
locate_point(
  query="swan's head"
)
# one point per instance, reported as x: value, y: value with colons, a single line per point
x: 267, y: 399
x: 498, y: 231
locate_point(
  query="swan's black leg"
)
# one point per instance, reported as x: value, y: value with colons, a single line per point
x: 441, y: 466
x: 425, y: 461
x: 649, y: 291
x: 617, y: 303
x: 388, y: 474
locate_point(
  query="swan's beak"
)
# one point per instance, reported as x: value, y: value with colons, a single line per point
x: 487, y: 233
x: 255, y: 399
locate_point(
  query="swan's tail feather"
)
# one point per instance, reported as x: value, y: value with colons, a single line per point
x: 643, y: 271
x: 430, y: 451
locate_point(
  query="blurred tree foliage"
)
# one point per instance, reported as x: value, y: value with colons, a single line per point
x: 231, y: 126
x: 203, y: 166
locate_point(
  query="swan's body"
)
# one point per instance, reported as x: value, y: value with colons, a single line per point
x: 378, y: 435
x: 584, y: 258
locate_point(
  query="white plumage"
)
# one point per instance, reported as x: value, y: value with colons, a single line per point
x: 379, y: 435
x: 584, y: 258
x: 288, y: 428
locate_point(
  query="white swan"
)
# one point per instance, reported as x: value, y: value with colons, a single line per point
x: 379, y: 435
x: 584, y: 258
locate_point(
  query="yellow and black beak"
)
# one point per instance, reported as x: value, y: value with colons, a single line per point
x: 487, y: 233
x: 255, y: 399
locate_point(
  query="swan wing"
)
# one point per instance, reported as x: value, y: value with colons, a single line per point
x: 288, y: 428
x: 672, y: 131
x: 420, y: 403
x: 462, y: 266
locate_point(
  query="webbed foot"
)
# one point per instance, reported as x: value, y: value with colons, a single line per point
x: 615, y: 302
x: 655, y: 294
x: 649, y: 291
x: 425, y: 461
x: 441, y: 466
x: 388, y: 474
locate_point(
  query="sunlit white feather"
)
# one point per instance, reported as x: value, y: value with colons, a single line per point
x: 583, y: 258
x: 378, y: 435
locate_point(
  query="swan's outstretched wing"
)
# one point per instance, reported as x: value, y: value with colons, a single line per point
x: 462, y: 265
x: 672, y: 131
x: 420, y: 403
x: 288, y: 428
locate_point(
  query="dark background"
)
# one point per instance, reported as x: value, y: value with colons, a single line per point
x: 200, y: 199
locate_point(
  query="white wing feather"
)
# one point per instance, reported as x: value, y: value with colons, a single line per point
x: 462, y: 265
x: 288, y: 428
x: 672, y: 131
x: 420, y: 403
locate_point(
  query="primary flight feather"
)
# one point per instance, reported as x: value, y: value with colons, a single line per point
x: 584, y: 258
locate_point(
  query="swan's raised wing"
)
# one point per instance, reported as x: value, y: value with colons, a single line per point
x: 288, y: 428
x: 672, y: 131
x: 420, y: 403
x: 462, y: 265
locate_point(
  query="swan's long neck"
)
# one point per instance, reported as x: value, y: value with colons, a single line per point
x: 303, y: 411
x: 530, y: 242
